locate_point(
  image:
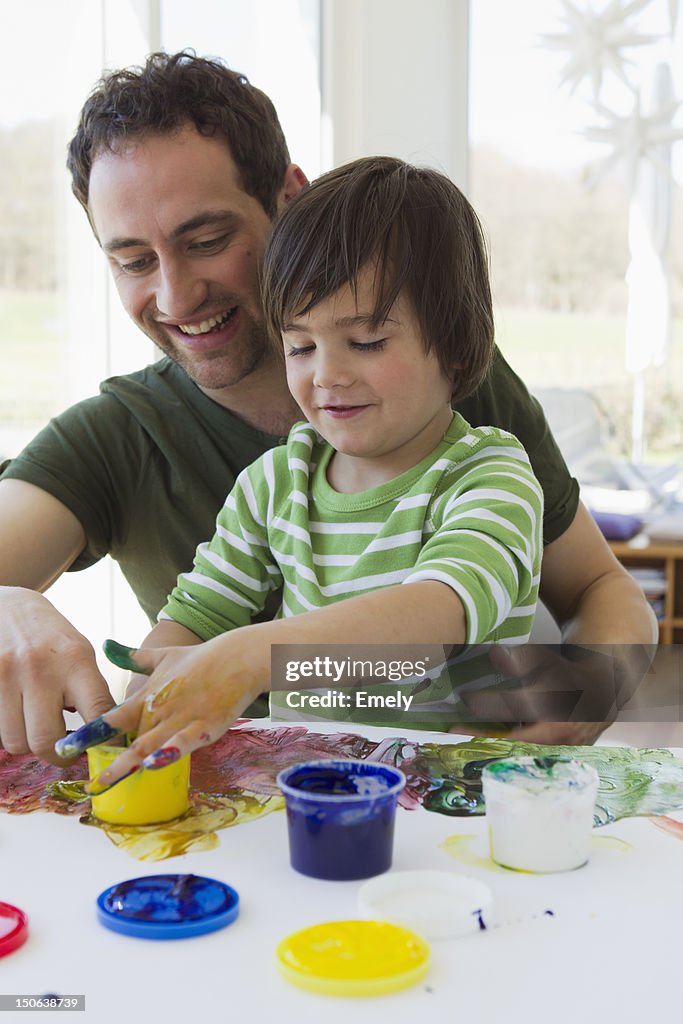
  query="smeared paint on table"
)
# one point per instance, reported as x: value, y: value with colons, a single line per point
x: 670, y: 825
x: 233, y: 781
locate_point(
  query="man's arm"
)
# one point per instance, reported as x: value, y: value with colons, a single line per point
x: 597, y: 604
x: 39, y: 536
x: 591, y: 595
x: 46, y: 665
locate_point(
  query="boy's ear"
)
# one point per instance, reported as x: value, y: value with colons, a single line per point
x: 294, y: 180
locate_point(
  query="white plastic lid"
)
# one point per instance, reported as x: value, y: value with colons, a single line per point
x: 436, y: 904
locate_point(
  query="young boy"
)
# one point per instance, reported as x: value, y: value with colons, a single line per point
x: 376, y: 281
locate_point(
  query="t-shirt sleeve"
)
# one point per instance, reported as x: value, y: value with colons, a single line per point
x: 87, y: 459
x: 235, y: 571
x: 486, y: 544
x: 504, y: 401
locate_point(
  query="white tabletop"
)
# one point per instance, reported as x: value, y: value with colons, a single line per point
x: 609, y: 952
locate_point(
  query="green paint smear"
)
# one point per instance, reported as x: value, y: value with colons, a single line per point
x: 70, y: 792
x: 632, y: 781
x: 506, y: 768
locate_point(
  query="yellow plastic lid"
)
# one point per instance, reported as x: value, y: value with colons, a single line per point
x: 353, y: 958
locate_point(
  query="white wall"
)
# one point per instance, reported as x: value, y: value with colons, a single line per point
x: 395, y: 81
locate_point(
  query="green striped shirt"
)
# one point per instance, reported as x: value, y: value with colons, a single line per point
x: 469, y: 515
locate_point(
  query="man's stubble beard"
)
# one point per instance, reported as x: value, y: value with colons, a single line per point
x: 225, y: 367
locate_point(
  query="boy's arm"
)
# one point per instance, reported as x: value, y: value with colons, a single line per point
x: 192, y: 697
x: 487, y: 543
x: 169, y: 634
x: 194, y: 694
x: 234, y: 572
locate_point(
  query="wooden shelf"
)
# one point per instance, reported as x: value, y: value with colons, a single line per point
x: 640, y: 553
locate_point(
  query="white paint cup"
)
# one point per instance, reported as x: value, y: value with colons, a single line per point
x: 539, y: 812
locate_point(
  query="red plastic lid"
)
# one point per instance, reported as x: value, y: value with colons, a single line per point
x: 13, y: 928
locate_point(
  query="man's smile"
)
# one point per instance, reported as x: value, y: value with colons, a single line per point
x: 208, y: 334
x: 207, y: 325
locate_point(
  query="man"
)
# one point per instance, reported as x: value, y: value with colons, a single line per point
x: 181, y: 167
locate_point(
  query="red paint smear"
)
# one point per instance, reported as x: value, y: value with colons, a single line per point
x: 670, y: 825
x: 242, y: 759
x: 251, y: 758
x: 24, y: 780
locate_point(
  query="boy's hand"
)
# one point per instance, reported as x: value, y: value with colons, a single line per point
x: 189, y: 700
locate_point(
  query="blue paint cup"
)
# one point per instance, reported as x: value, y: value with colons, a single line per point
x: 340, y: 817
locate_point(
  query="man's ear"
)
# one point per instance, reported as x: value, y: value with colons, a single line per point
x: 293, y: 181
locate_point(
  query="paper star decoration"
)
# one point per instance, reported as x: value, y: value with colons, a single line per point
x: 673, y: 17
x: 634, y: 137
x: 595, y: 42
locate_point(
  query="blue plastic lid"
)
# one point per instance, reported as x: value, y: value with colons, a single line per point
x: 167, y: 906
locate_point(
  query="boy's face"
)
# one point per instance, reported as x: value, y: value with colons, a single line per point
x: 374, y: 394
x: 184, y: 242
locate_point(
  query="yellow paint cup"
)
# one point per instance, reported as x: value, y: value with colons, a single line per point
x: 144, y: 798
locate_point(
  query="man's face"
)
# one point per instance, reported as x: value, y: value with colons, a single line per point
x: 184, y: 242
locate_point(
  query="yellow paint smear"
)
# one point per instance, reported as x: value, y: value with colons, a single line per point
x: 195, y: 831
x: 460, y: 848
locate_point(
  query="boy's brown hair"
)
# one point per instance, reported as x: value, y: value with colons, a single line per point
x: 423, y: 238
x: 171, y: 90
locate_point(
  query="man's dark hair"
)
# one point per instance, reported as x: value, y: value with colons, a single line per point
x: 417, y: 230
x: 176, y: 89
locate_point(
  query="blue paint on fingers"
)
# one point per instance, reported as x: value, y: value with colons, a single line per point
x: 90, y: 734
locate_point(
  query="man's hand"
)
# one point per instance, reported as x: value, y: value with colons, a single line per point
x: 46, y: 666
x: 573, y: 734
x: 559, y: 694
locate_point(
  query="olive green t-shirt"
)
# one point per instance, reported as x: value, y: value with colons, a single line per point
x: 146, y: 465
